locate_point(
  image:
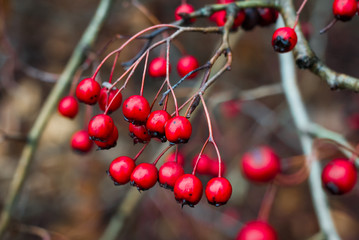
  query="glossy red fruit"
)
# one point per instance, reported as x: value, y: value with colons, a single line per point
x: 218, y: 191
x: 184, y: 8
x: 339, y: 176
x: 260, y: 164
x: 88, y: 91
x: 68, y: 107
x: 80, y: 142
x: 139, y: 133
x: 110, y: 142
x: 188, y: 190
x: 178, y: 130
x: 204, y: 164
x: 344, y: 10
x: 220, y: 18
x: 213, y: 168
x: 156, y: 122
x: 186, y: 64
x: 268, y: 16
x: 169, y: 173
x: 172, y: 158
x: 120, y: 169
x: 157, y: 67
x: 257, y: 230
x: 100, y: 127
x: 284, y: 39
x: 136, y: 109
x: 144, y: 176
x: 105, y: 99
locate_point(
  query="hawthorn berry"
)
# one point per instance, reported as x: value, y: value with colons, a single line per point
x: 344, y: 10
x: 218, y: 191
x: 220, y: 18
x: 100, y: 127
x: 80, y: 142
x: 213, y: 168
x: 188, y: 190
x: 139, y: 133
x: 204, y: 164
x: 157, y: 67
x: 184, y: 9
x: 68, y: 107
x: 267, y: 16
x: 178, y: 129
x: 105, y: 99
x: 284, y: 39
x: 110, y: 142
x: 260, y: 164
x: 257, y: 230
x: 172, y: 158
x: 339, y: 176
x: 156, y: 122
x: 120, y: 169
x: 168, y: 174
x: 88, y: 91
x: 144, y: 176
x: 136, y: 109
x: 186, y: 64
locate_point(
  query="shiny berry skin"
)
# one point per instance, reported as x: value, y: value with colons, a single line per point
x: 218, y: 191
x: 186, y: 64
x: 178, y: 129
x: 168, y: 174
x: 139, y: 133
x: 204, y: 164
x: 110, y: 142
x: 344, y: 10
x: 88, y: 91
x: 80, y: 142
x: 68, y: 107
x: 267, y: 16
x: 144, y: 176
x: 100, y: 127
x: 136, y: 109
x: 172, y: 158
x: 156, y: 122
x: 260, y: 164
x: 120, y: 169
x: 339, y: 176
x: 188, y: 190
x: 284, y: 39
x: 257, y: 230
x: 105, y: 98
x: 157, y: 67
x: 184, y: 8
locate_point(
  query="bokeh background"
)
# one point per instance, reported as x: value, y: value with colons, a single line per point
x: 69, y: 196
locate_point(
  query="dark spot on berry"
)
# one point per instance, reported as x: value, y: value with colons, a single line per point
x: 281, y: 45
x: 332, y: 188
x: 190, y: 194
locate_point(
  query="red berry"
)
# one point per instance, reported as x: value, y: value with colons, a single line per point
x: 267, y: 16
x: 218, y: 191
x: 144, y: 176
x: 204, y: 164
x: 188, y: 190
x: 80, y: 142
x: 105, y: 99
x: 213, y: 168
x: 110, y: 142
x: 88, y: 91
x: 231, y: 108
x: 157, y: 67
x: 339, y: 176
x: 284, y: 39
x: 257, y: 230
x: 220, y: 18
x: 120, y: 169
x: 178, y: 129
x: 172, y: 158
x: 344, y: 10
x: 186, y: 64
x: 156, y: 122
x: 68, y: 107
x: 169, y: 173
x: 100, y: 127
x: 260, y: 164
x: 184, y: 8
x: 139, y: 133
x: 136, y: 109
x: 224, y: 1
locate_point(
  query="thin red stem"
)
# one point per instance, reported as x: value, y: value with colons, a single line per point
x: 267, y: 203
x: 329, y: 26
x: 157, y: 94
x: 144, y: 73
x: 113, y: 67
x: 298, y: 13
x: 199, y: 157
x: 168, y: 73
x: 140, y: 152
x: 161, y: 154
